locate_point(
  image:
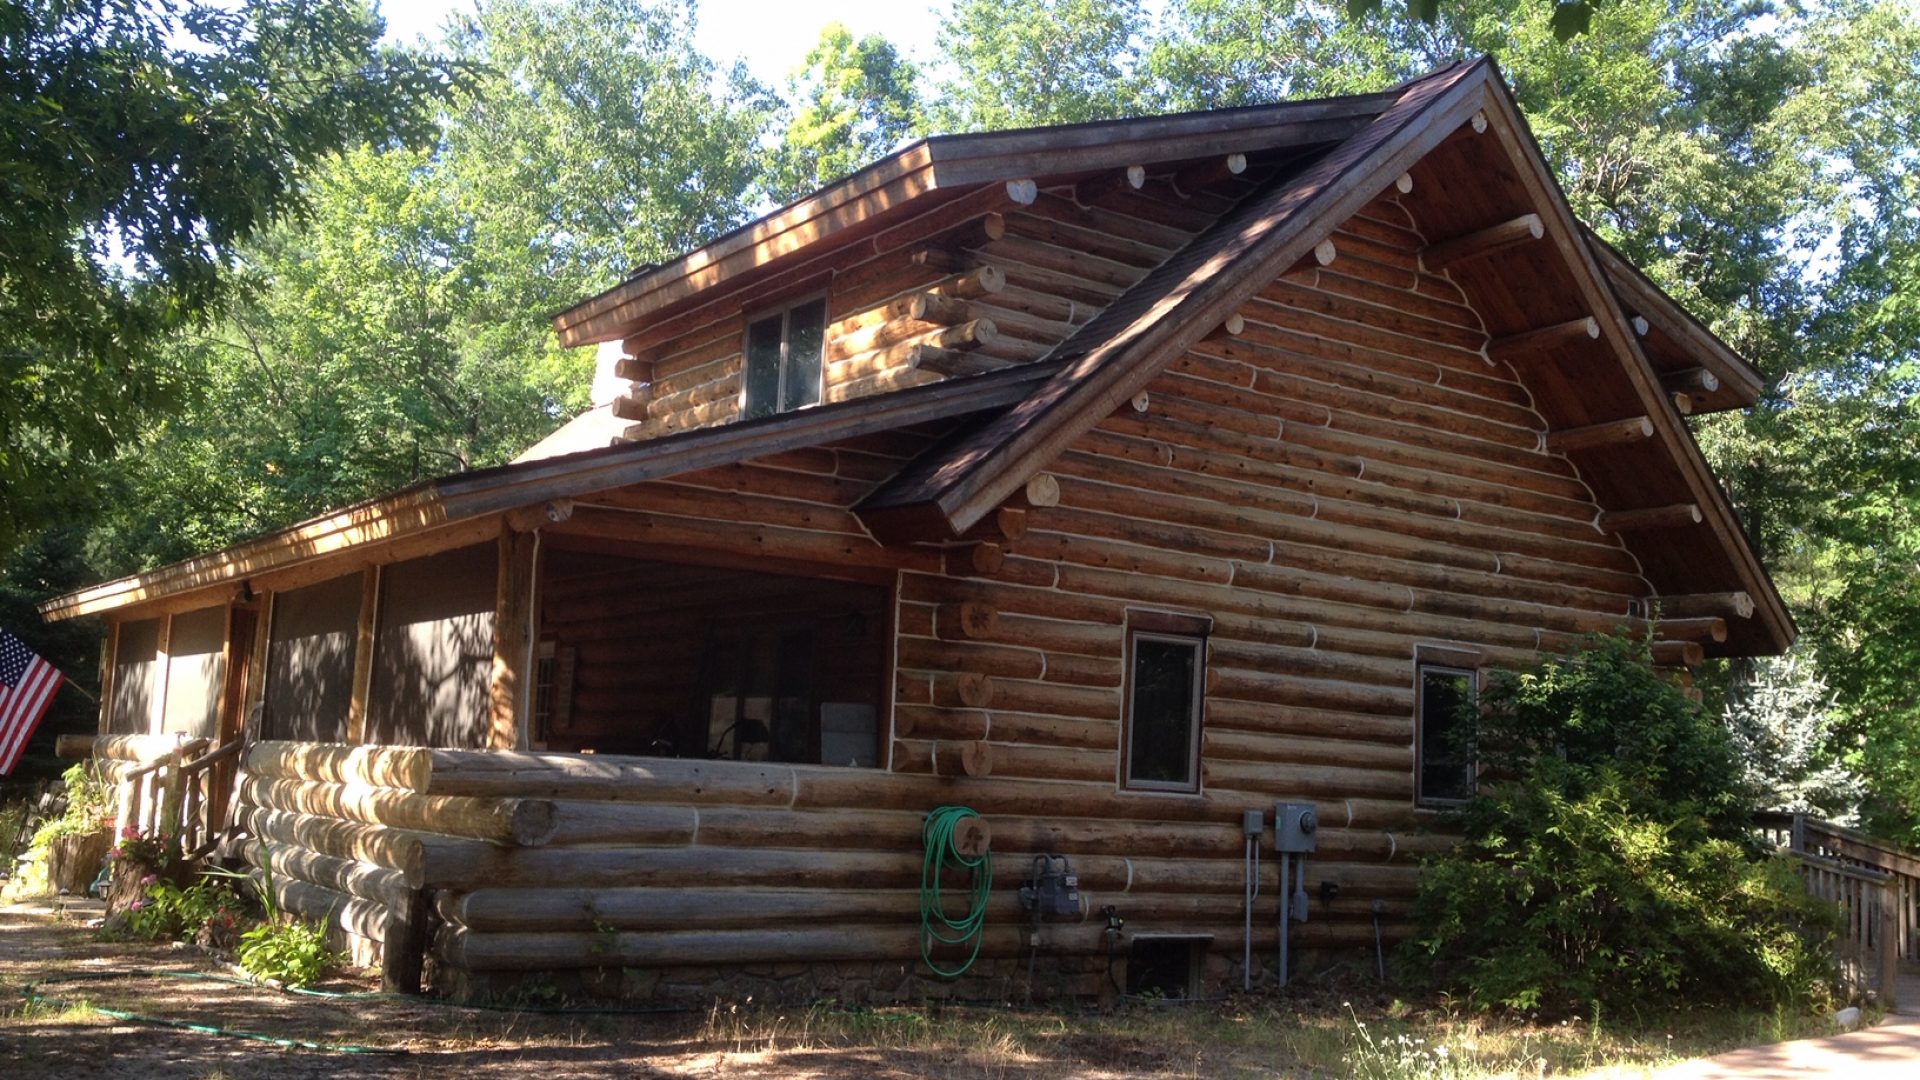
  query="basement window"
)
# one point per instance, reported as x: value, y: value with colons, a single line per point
x: 783, y: 359
x: 1166, y: 676
x: 1444, y: 699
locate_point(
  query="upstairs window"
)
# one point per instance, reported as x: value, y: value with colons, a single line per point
x: 1444, y: 702
x: 1166, y: 679
x: 783, y: 360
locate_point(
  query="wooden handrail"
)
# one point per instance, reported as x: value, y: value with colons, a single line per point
x: 1878, y: 886
x: 1865, y: 874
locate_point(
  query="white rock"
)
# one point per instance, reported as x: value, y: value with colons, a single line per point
x: 1847, y: 1019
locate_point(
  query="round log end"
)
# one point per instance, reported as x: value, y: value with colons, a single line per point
x: 1023, y: 191
x: 531, y: 822
x: 1043, y: 490
x: 1324, y: 253
x: 976, y: 690
x: 1141, y: 401
x: 1592, y: 327
x: 1646, y: 427
x: 992, y: 279
x: 1236, y: 163
x: 972, y: 837
x: 1479, y: 122
x: 1136, y: 176
x: 1235, y: 324
x: 1403, y: 183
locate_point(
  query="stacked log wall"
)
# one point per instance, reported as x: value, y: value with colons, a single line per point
x: 1343, y: 481
x: 979, y: 282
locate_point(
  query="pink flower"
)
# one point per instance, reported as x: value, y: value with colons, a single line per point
x: 130, y: 833
x: 149, y: 879
x: 137, y: 905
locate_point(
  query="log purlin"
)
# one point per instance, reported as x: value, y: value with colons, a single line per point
x: 1333, y: 485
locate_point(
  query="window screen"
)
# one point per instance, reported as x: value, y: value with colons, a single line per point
x: 433, y: 650
x: 1163, y: 711
x: 131, y: 709
x: 1445, y: 702
x: 196, y: 667
x: 310, y: 661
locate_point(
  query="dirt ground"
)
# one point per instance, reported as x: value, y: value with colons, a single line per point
x: 45, y: 1040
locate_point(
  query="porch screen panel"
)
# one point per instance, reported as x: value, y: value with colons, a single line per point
x: 130, y: 711
x: 310, y: 661
x: 433, y: 650
x: 196, y: 666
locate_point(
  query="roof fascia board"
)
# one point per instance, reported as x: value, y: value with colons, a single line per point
x: 403, y: 513
x: 1567, y: 235
x: 1119, y: 155
x: 1666, y: 314
x: 1146, y: 129
x: 1096, y: 384
x: 465, y: 496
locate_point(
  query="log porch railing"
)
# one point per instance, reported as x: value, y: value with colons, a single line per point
x: 182, y: 793
x: 1876, y: 886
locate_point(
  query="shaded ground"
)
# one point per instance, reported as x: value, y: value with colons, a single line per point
x: 45, y: 1041
x: 1311, y: 1033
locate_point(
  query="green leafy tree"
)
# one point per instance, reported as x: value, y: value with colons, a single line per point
x: 853, y: 102
x: 145, y: 142
x: 402, y: 332
x: 1060, y: 61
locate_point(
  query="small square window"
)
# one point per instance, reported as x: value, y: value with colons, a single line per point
x: 783, y: 360
x: 1166, y: 676
x: 1444, y: 703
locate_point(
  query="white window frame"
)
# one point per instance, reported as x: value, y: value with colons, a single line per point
x: 1196, y: 711
x: 785, y: 314
x: 1421, y: 669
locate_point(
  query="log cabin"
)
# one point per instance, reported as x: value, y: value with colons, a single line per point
x: 1119, y: 481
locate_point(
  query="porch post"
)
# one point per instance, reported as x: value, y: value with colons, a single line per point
x: 512, y: 634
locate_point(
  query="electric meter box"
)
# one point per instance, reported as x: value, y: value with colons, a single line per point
x: 1294, y: 827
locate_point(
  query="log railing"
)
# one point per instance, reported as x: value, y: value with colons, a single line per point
x: 1877, y: 887
x: 180, y: 794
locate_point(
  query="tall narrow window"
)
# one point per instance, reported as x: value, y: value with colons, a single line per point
x: 783, y: 360
x: 1166, y: 675
x: 1446, y: 768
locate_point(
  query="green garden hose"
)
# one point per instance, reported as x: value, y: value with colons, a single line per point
x: 32, y: 993
x: 936, y: 927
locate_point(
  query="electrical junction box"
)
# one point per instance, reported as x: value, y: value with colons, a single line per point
x: 1253, y: 822
x: 1294, y: 827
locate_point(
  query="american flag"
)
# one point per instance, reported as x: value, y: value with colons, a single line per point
x: 27, y: 686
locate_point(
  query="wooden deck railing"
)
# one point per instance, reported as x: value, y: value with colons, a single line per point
x: 1876, y: 885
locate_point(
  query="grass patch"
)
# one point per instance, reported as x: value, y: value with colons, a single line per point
x: 1256, y: 1037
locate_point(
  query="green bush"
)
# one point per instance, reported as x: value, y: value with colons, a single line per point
x: 89, y: 807
x: 170, y: 912
x: 293, y: 952
x: 1606, y: 859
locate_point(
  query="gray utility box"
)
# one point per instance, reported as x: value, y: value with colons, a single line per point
x: 1294, y: 827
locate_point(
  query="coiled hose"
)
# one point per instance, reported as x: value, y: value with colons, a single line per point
x: 936, y: 926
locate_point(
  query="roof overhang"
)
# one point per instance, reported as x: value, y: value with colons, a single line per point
x: 446, y: 503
